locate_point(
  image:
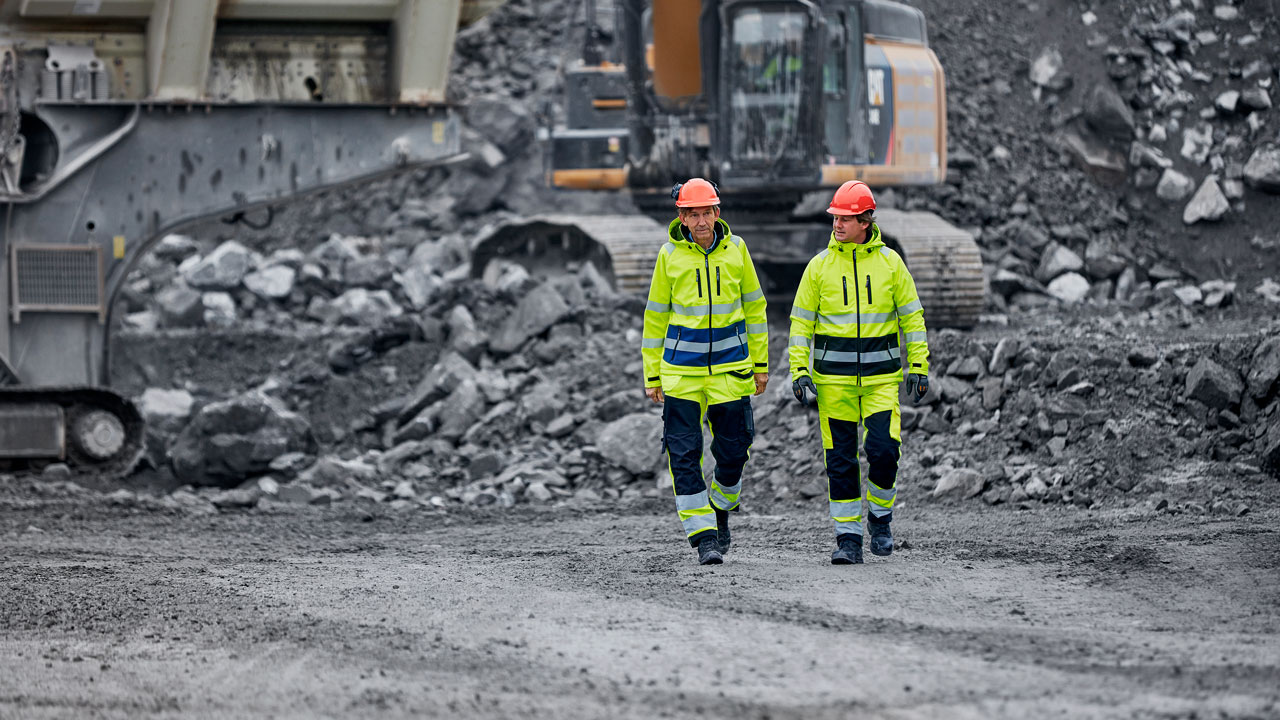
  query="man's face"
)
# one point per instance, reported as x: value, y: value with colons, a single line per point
x: 701, y: 222
x: 848, y: 228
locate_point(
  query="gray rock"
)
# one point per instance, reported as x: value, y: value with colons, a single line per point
x: 1056, y: 260
x: 223, y: 269
x: 622, y: 402
x: 334, y: 254
x: 365, y: 308
x: 465, y: 337
x: 1008, y: 283
x: 165, y: 409
x: 271, y: 283
x: 544, y: 402
x: 1188, y: 295
x: 219, y: 309
x: 1036, y: 487
x: 1214, y: 385
x: 1143, y: 357
x: 1070, y: 288
x: 1108, y: 114
x: 449, y: 372
x: 536, y: 312
x: 459, y: 411
x: 503, y: 121
x: 1208, y: 203
x: 1002, y: 356
x: 1263, y: 169
x: 1218, y: 292
x: 594, y: 282
x: 1196, y: 144
x: 1264, y: 370
x: 538, y: 492
x: 56, y: 472
x: 1174, y: 186
x: 1271, y: 449
x: 1047, y: 71
x: 180, y: 306
x: 1255, y: 99
x: 1101, y: 263
x: 970, y: 368
x: 228, y: 441
x: 632, y: 442
x: 368, y: 272
x: 964, y: 482
x: 561, y: 426
x: 419, y: 285
x: 1226, y: 102
x: 175, y: 248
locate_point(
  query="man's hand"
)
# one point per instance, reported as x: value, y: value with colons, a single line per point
x: 801, y: 386
x: 762, y: 381
x: 917, y: 387
x: 654, y: 394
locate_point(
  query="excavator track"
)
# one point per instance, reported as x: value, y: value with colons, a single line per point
x: 944, y: 261
x: 95, y: 431
x: 622, y: 247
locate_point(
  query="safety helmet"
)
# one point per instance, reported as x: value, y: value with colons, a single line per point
x: 695, y: 193
x: 852, y: 198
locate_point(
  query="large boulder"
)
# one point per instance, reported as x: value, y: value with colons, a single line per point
x: 1108, y: 114
x: 1069, y: 287
x: 1056, y: 260
x: 229, y: 441
x: 364, y: 308
x: 1214, y: 385
x: 222, y: 269
x: 964, y: 482
x: 632, y: 442
x: 1174, y: 186
x: 537, y: 311
x: 503, y: 121
x: 449, y: 372
x: 180, y: 306
x: 271, y: 283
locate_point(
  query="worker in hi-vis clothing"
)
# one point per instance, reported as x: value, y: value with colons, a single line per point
x: 853, y: 299
x: 706, y: 352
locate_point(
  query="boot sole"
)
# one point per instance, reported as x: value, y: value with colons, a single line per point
x: 845, y: 561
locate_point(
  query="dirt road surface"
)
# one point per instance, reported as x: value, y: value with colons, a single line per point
x: 346, y: 612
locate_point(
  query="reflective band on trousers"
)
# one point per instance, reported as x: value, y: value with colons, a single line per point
x: 849, y: 528
x: 726, y: 497
x: 920, y: 336
x: 701, y: 347
x: 700, y: 310
x: 799, y: 341
x: 840, y: 510
x: 685, y: 503
x: 880, y: 500
x: 848, y: 357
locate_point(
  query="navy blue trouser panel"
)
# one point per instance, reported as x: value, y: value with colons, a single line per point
x: 842, y: 460
x: 682, y: 435
x: 882, y: 450
x: 733, y: 428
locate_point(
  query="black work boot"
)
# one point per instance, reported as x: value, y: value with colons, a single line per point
x: 708, y: 551
x: 881, y: 538
x: 722, y: 529
x: 848, y: 550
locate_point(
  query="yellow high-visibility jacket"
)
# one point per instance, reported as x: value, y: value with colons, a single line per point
x: 851, y: 302
x: 706, y: 311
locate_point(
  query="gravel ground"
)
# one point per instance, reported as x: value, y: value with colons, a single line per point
x: 304, y: 613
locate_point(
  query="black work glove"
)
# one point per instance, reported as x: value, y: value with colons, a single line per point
x: 917, y: 387
x: 800, y: 386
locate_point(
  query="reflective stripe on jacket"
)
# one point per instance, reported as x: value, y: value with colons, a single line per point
x: 851, y: 302
x: 706, y: 311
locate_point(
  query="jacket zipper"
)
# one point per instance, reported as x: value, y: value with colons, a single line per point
x: 706, y: 262
x: 858, y: 309
x: 717, y: 281
x: 845, y: 282
x: 869, y: 300
x: 697, y: 274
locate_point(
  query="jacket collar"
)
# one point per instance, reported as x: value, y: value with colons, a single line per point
x: 678, y: 235
x: 874, y: 242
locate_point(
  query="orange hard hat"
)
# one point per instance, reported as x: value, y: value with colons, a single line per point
x: 696, y: 193
x: 852, y: 198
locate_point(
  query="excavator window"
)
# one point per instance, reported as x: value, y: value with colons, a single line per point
x: 766, y: 76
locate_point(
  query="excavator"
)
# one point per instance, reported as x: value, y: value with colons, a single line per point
x: 777, y: 101
x: 124, y: 120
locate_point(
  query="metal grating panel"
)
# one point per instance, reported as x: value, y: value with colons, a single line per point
x: 57, y: 278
